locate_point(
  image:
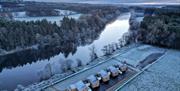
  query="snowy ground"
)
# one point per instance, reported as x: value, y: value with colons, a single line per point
x: 164, y: 75
x: 156, y: 78
x: 138, y: 54
x: 59, y: 77
x: 82, y: 75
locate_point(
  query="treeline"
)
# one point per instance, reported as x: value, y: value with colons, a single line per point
x: 41, y: 12
x: 80, y: 8
x: 17, y: 34
x: 161, y: 27
x: 50, y: 38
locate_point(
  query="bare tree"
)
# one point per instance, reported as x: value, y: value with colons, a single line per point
x: 64, y: 67
x: 109, y: 49
x: 116, y: 46
x: 79, y: 62
x: 93, y: 53
x: 69, y: 64
x: 113, y: 48
x: 105, y: 50
x: 120, y: 42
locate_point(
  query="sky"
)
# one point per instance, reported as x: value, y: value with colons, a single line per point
x: 111, y: 1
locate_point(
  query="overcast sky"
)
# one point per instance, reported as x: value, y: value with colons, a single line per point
x: 111, y: 1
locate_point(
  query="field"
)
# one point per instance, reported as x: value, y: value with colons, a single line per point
x: 161, y: 76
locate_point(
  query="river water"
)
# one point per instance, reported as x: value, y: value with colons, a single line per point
x: 28, y: 73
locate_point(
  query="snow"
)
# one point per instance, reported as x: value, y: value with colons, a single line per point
x: 141, y: 52
x: 56, y: 68
x: 72, y: 86
x: 92, y: 78
x: 162, y: 76
x: 80, y: 86
x: 46, y: 72
x: 83, y: 74
x: 65, y: 12
x: 91, y: 70
x: 113, y: 69
x: 103, y: 73
x: 139, y: 19
x: 19, y: 14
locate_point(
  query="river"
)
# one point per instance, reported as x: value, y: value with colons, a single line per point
x: 28, y: 73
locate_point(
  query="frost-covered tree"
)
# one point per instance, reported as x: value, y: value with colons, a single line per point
x: 79, y: 62
x: 105, y: 50
x: 46, y: 72
x: 93, y: 54
x: 21, y: 34
x: 69, y: 63
x: 64, y: 66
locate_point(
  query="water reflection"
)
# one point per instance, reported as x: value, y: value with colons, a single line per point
x: 112, y: 33
x: 31, y: 61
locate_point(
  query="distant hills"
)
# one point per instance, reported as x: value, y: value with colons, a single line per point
x: 11, y: 0
x: 110, y: 1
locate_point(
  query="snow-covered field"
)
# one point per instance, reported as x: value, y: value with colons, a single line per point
x: 136, y: 55
x: 164, y: 75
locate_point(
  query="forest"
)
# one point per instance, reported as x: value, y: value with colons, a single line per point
x: 21, y: 34
x: 160, y: 27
